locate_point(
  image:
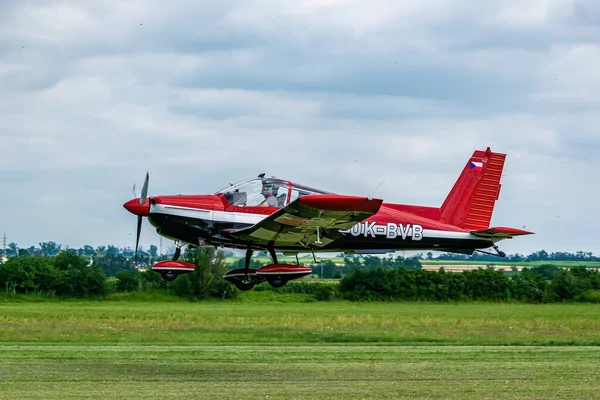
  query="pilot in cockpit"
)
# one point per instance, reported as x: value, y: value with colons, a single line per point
x: 269, y: 190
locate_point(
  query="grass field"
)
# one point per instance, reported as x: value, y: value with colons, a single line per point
x: 307, y: 350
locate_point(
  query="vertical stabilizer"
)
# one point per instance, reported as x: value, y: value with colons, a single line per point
x: 471, y: 201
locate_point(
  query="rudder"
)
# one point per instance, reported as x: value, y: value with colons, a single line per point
x: 471, y: 201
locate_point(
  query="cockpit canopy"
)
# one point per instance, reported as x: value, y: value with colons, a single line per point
x: 250, y: 192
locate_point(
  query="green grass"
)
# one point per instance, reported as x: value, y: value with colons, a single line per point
x: 273, y: 318
x: 297, y: 372
x: 272, y: 346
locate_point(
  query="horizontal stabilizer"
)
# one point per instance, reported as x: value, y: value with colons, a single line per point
x: 500, y: 232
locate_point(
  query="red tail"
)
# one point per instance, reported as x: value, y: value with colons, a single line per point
x: 471, y: 201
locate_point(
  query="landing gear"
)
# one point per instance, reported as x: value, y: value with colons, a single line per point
x: 246, y: 283
x: 177, y: 253
x: 276, y: 274
x: 169, y: 270
x: 273, y: 254
x: 498, y: 252
x: 169, y: 275
x: 244, y: 286
x: 243, y: 278
x: 277, y: 282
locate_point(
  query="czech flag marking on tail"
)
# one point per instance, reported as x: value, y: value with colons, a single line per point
x: 476, y: 166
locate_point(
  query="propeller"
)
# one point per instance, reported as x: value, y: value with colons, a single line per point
x: 143, y: 197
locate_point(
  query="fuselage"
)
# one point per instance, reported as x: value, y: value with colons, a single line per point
x: 203, y: 218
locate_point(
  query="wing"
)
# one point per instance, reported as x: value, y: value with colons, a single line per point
x: 309, y: 220
x: 500, y: 232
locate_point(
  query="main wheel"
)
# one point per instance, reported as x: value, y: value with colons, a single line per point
x: 278, y: 282
x: 244, y: 286
x: 169, y: 275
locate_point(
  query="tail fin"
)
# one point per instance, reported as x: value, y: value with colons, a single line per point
x: 471, y: 201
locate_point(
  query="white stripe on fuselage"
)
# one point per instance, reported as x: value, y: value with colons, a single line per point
x: 251, y: 219
x: 216, y: 216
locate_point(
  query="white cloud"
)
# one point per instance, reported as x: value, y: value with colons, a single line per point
x: 337, y: 94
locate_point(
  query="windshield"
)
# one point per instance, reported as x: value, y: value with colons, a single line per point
x: 269, y: 192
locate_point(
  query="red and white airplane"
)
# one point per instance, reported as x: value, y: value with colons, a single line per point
x: 277, y: 215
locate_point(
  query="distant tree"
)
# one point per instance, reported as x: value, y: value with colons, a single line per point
x: 326, y: 269
x: 412, y: 263
x: 254, y: 264
x: 49, y: 248
x: 28, y: 274
x: 452, y: 256
x: 529, y: 285
x: 128, y: 281
x: 88, y: 251
x: 12, y: 250
x: 371, y: 262
x: 351, y: 262
x: 486, y: 284
x: 112, y: 250
x: 153, y: 251
x: 112, y: 264
x: 546, y: 270
x: 128, y: 252
x: 515, y: 257
x: 541, y: 255
x: 430, y: 256
x: 77, y: 278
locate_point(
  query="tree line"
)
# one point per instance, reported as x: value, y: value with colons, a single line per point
x: 541, y: 284
x: 150, y: 255
x: 69, y: 275
x: 541, y: 255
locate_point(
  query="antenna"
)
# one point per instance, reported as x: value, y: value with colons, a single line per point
x: 377, y: 188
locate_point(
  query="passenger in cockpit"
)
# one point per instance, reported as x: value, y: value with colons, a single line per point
x: 269, y: 190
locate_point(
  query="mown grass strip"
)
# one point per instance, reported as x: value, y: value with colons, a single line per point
x: 136, y: 371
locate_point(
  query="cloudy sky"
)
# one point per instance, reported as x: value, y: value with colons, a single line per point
x: 337, y: 94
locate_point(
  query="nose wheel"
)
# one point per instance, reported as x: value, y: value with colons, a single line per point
x: 169, y: 276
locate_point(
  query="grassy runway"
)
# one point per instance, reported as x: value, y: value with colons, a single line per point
x: 277, y: 350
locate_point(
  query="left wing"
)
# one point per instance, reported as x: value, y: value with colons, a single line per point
x: 309, y: 220
x: 500, y: 232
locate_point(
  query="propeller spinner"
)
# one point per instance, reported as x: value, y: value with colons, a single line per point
x: 140, y: 207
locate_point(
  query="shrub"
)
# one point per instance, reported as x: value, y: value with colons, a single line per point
x: 128, y: 281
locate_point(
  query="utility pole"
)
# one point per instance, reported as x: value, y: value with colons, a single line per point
x: 4, y: 245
